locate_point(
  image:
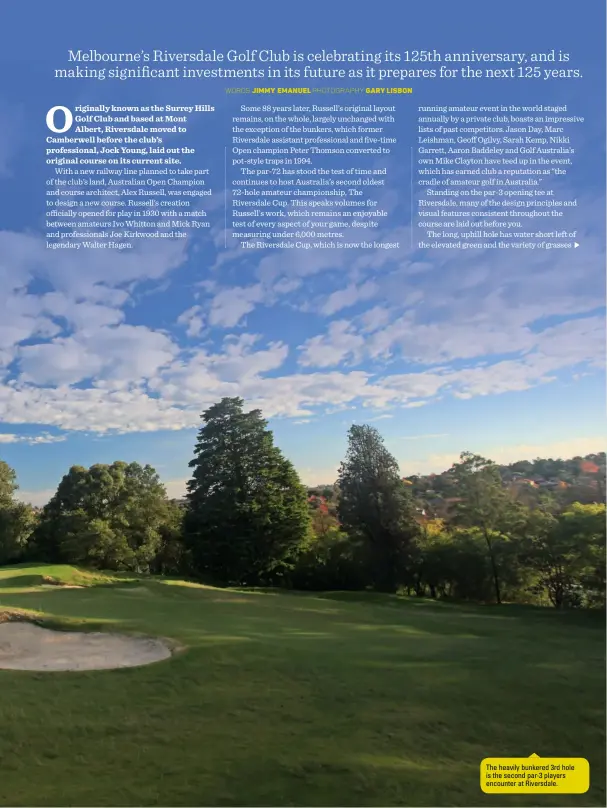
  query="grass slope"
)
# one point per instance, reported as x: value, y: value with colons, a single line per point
x: 284, y: 699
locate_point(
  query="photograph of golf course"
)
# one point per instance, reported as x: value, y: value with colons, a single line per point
x: 260, y: 643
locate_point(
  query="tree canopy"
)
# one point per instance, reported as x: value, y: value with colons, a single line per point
x: 374, y: 505
x: 106, y: 516
x: 484, y: 503
x: 17, y: 519
x: 247, y: 513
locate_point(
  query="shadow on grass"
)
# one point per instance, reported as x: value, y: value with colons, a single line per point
x: 61, y: 575
x: 61, y: 623
x: 24, y: 581
x: 56, y: 622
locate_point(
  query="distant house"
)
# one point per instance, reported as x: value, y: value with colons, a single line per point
x: 552, y: 483
x: 588, y: 467
x: 319, y: 502
x: 443, y: 508
x: 524, y: 481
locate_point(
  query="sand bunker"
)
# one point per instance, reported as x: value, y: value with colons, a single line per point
x: 27, y: 647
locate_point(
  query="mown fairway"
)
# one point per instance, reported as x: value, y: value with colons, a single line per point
x: 284, y: 699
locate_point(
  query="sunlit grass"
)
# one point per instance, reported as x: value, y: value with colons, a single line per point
x: 286, y: 699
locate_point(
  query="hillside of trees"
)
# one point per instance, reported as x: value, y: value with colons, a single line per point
x: 530, y: 532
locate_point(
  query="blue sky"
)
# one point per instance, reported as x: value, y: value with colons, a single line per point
x: 106, y: 357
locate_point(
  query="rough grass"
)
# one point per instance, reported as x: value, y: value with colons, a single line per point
x: 284, y: 699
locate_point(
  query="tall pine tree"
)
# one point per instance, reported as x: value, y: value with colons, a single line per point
x: 375, y: 507
x: 247, y: 514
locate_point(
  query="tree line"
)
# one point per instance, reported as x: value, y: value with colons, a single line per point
x: 247, y: 520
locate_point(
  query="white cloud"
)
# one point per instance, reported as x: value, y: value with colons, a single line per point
x: 7, y: 437
x: 193, y: 319
x: 102, y: 409
x: 87, y: 274
x: 375, y: 318
x: 11, y: 437
x: 123, y: 352
x: 229, y: 306
x: 350, y: 296
x: 339, y: 344
x: 236, y: 367
x: 80, y: 314
x: 84, y: 299
x: 21, y: 318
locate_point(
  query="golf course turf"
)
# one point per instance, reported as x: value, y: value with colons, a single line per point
x: 296, y: 699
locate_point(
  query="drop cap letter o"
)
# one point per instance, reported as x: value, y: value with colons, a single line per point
x: 50, y: 119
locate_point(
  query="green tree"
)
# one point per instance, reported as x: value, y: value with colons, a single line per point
x: 429, y: 567
x: 468, y: 571
x: 485, y: 504
x: 330, y: 561
x: 587, y: 523
x: 107, y: 516
x: 171, y: 558
x: 8, y: 484
x: 567, y: 551
x: 375, y: 507
x: 323, y: 513
x: 17, y: 519
x: 247, y: 511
